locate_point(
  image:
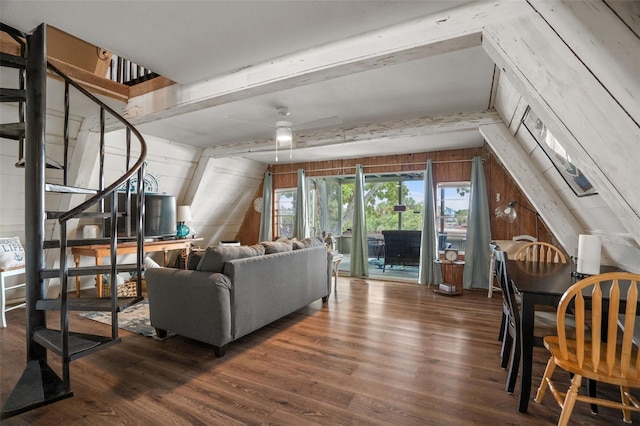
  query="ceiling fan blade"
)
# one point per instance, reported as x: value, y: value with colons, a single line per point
x: 322, y: 123
x: 255, y: 123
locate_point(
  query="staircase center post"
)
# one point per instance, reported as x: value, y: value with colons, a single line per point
x: 34, y: 186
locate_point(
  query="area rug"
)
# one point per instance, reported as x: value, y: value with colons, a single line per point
x: 134, y: 319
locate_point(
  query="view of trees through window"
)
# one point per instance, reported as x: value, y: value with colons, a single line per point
x: 390, y: 204
x: 381, y: 200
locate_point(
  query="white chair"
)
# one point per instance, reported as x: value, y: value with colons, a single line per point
x: 492, y: 272
x: 525, y: 237
x: 9, y: 272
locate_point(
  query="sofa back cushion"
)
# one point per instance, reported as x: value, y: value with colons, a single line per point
x: 308, y: 242
x: 214, y: 257
x: 271, y: 247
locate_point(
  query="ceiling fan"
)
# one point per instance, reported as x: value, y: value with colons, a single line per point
x: 284, y: 128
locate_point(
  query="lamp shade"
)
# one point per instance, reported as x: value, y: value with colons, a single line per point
x: 183, y: 214
x: 589, y: 250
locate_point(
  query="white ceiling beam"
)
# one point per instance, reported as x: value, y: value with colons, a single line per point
x: 436, y: 34
x: 597, y: 133
x: 609, y: 50
x: 535, y: 187
x: 387, y: 130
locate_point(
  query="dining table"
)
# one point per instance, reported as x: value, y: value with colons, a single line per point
x: 538, y: 284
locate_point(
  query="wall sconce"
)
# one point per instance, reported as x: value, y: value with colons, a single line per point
x: 508, y: 213
x: 183, y: 215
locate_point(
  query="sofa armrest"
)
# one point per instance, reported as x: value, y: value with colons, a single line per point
x: 193, y: 304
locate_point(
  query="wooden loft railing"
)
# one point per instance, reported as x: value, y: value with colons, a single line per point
x: 101, y: 84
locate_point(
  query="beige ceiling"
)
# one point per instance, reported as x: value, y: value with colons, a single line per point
x: 195, y: 42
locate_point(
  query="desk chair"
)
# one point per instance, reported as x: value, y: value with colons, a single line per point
x: 540, y: 252
x: 612, y: 360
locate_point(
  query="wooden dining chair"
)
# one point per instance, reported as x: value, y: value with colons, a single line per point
x: 540, y: 252
x: 600, y: 351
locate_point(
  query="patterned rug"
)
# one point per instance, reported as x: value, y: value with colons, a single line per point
x: 134, y: 319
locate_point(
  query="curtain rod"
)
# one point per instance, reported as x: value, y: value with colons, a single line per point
x: 376, y: 165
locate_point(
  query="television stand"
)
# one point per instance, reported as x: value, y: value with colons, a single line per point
x: 98, y: 251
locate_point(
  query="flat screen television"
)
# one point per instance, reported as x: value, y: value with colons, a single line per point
x: 160, y: 216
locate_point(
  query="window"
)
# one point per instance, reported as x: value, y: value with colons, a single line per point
x: 452, y: 210
x: 392, y: 202
x: 284, y: 212
x: 551, y: 146
x: 324, y: 206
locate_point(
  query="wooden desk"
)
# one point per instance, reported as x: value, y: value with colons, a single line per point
x: 99, y: 251
x: 538, y: 284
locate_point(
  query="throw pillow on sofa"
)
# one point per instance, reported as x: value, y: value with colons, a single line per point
x: 214, y: 257
x: 271, y: 247
x: 308, y: 242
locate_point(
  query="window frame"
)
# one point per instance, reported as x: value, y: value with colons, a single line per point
x: 277, y: 222
x: 440, y: 227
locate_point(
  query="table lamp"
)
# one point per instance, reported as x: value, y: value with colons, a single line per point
x: 589, y: 250
x: 183, y: 215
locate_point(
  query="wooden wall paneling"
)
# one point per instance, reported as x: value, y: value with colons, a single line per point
x: 249, y: 230
x: 498, y: 180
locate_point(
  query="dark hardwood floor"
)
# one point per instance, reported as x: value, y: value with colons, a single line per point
x: 377, y: 353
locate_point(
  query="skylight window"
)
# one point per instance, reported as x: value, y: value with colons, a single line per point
x: 558, y: 155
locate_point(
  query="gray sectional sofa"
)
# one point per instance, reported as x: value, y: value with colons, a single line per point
x: 237, y: 290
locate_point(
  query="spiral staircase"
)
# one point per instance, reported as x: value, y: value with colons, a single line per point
x: 39, y: 384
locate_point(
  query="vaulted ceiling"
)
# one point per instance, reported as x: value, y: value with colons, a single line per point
x: 363, y: 78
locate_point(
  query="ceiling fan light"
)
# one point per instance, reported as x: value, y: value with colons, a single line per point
x: 284, y: 135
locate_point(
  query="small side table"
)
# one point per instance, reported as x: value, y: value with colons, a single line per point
x: 336, y: 259
x: 449, y: 267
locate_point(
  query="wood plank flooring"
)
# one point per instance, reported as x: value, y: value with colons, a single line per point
x: 379, y: 353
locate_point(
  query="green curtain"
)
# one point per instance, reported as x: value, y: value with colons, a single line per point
x: 266, y: 226
x: 301, y: 221
x: 476, y: 257
x: 429, y: 272
x: 323, y: 206
x: 359, y: 266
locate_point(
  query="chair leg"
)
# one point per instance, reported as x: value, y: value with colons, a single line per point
x: 514, y: 366
x: 548, y: 372
x: 507, y: 343
x: 570, y: 400
x: 624, y: 397
x: 503, y: 324
x: 591, y: 386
